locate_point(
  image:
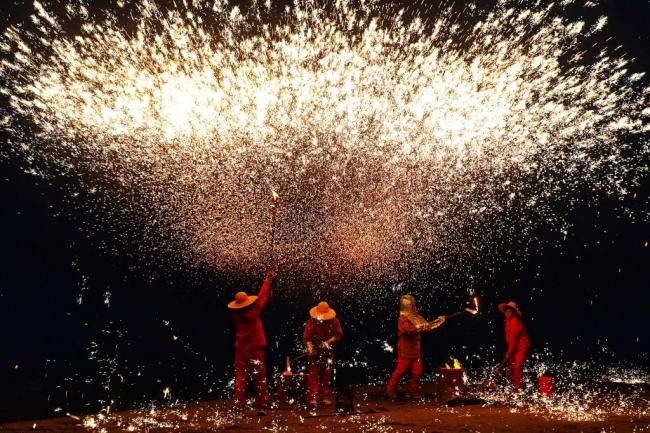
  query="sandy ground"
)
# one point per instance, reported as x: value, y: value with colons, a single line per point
x: 376, y: 416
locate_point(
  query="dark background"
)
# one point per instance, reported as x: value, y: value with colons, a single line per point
x: 85, y: 324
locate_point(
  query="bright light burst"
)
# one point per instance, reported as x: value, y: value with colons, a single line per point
x: 392, y: 140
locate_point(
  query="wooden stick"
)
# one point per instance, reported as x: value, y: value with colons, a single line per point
x: 273, y: 237
x: 274, y: 210
x: 457, y: 313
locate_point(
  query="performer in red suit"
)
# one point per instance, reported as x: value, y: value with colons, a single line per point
x: 409, y: 357
x: 322, y: 331
x: 250, y: 343
x: 518, y: 343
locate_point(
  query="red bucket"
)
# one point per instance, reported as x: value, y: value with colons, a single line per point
x: 546, y: 386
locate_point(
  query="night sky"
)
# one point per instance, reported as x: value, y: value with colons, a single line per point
x: 81, y: 312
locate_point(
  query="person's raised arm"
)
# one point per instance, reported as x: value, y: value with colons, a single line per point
x: 265, y: 291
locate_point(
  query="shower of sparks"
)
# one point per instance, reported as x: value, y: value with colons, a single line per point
x: 586, y: 395
x: 587, y: 392
x: 391, y: 140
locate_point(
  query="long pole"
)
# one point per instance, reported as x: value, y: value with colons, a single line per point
x: 465, y: 310
x: 457, y: 313
x: 272, y: 232
x: 274, y: 210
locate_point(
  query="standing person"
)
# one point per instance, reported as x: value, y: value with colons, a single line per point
x: 518, y: 343
x: 409, y: 357
x: 322, y: 331
x: 249, y: 345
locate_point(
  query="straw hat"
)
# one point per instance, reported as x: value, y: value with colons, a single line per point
x: 322, y: 311
x: 241, y: 300
x: 510, y: 304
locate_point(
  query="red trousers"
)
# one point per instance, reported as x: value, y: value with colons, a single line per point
x: 254, y: 362
x: 404, y: 365
x: 320, y: 374
x: 516, y: 367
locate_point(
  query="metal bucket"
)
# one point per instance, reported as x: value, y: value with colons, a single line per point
x: 451, y: 382
x: 546, y: 384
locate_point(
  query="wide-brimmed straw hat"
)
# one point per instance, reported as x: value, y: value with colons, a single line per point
x: 322, y: 311
x: 510, y: 304
x: 241, y: 300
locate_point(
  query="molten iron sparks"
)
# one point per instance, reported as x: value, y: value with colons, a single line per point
x: 287, y: 371
x: 395, y: 143
x: 473, y: 311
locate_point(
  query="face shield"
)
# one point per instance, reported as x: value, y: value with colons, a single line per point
x: 408, y: 308
x: 407, y: 305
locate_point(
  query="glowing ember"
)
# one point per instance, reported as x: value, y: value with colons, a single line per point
x: 393, y: 142
x: 288, y: 372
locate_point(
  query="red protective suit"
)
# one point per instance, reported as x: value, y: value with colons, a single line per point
x: 409, y: 357
x: 249, y: 349
x: 321, y: 363
x: 518, y: 347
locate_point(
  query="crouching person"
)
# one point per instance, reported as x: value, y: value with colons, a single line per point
x: 322, y: 332
x: 409, y: 357
x: 250, y: 343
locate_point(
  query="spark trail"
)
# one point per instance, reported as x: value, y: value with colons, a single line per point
x: 393, y: 141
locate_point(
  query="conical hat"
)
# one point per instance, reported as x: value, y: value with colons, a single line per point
x: 322, y: 311
x: 510, y: 304
x: 241, y: 300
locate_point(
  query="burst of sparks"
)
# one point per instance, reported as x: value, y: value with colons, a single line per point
x: 393, y: 140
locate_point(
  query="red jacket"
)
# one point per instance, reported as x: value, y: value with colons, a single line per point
x: 516, y: 335
x: 408, y: 345
x: 249, y: 330
x: 318, y: 331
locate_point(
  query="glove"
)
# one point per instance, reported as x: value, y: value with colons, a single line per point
x: 435, y: 324
x: 327, y: 344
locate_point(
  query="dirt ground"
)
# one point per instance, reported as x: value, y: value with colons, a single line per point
x: 372, y: 416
